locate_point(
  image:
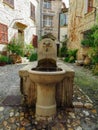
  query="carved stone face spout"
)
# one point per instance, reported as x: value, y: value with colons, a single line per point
x: 47, y: 49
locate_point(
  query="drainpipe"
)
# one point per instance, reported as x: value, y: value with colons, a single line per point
x: 41, y: 3
x: 59, y: 28
x: 58, y: 40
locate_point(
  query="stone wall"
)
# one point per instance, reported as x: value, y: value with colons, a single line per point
x: 79, y: 21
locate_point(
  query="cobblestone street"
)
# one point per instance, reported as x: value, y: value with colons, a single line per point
x: 15, y: 116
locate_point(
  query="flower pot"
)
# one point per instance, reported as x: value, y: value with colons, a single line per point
x: 15, y: 58
x: 87, y: 60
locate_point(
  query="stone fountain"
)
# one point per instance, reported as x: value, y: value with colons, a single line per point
x: 47, y: 84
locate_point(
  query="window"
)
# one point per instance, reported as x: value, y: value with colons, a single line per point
x: 47, y: 21
x: 90, y: 5
x: 9, y: 2
x: 63, y: 19
x: 32, y: 11
x: 3, y: 33
x: 47, y: 4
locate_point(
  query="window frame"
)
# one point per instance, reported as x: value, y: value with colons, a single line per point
x: 9, y: 3
x: 47, y: 21
x: 32, y: 11
x: 63, y: 19
x: 3, y: 34
x: 47, y: 4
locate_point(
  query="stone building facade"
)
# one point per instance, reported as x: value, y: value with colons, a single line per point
x: 18, y: 18
x: 82, y: 16
x: 49, y: 17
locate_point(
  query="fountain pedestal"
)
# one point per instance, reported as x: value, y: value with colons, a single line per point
x: 46, y: 104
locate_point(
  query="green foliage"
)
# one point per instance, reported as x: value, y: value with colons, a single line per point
x: 95, y: 35
x: 71, y: 56
x: 33, y: 57
x: 91, y: 37
x: 16, y: 46
x: 5, y: 59
x: 91, y: 40
x: 93, y: 54
x: 72, y: 52
x: 28, y: 50
x: 63, y: 49
x: 95, y: 70
x: 66, y: 59
x: 87, y: 42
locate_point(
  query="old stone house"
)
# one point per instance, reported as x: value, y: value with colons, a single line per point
x: 82, y: 16
x: 18, y: 18
x: 49, y: 17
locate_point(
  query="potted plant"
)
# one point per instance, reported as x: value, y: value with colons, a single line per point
x: 16, y: 50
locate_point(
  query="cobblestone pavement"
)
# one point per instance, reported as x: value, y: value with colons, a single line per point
x: 15, y: 116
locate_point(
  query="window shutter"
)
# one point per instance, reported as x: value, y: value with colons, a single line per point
x: 35, y: 37
x: 3, y: 34
x: 32, y: 11
x: 90, y: 5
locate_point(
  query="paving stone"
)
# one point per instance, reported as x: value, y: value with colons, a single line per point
x: 86, y: 113
x: 88, y: 105
x: 11, y: 113
x: 78, y: 104
x: 70, y: 129
x: 12, y: 119
x: 5, y: 123
x: 94, y: 111
x: 78, y: 128
x: 1, y: 109
x: 23, y: 128
x: 17, y: 114
x: 72, y: 115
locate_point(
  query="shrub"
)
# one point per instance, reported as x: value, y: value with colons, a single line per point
x: 33, y: 57
x: 91, y: 37
x: 16, y: 46
x: 28, y: 50
x: 5, y: 59
x: 71, y: 56
x: 63, y: 49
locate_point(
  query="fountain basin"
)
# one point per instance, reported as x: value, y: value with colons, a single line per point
x: 46, y: 77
